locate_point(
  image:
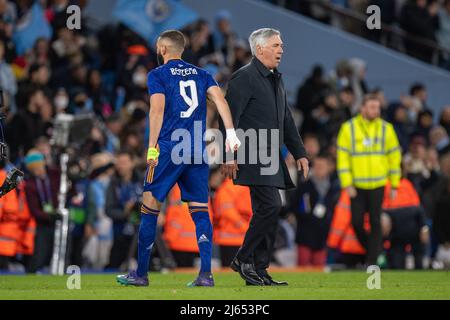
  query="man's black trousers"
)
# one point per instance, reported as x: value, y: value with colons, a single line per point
x: 260, y: 237
x: 369, y: 201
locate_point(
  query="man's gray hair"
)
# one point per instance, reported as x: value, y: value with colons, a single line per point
x: 259, y: 37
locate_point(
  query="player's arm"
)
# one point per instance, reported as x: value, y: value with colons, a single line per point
x: 216, y: 95
x: 156, y: 115
x: 156, y: 91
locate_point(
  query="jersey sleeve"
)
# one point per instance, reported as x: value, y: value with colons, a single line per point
x: 154, y: 84
x: 210, y: 82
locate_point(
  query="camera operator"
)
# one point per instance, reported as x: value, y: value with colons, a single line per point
x: 41, y: 189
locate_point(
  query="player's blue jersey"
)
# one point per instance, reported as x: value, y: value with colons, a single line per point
x: 185, y: 88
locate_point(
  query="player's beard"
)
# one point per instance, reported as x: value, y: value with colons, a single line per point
x: 160, y: 59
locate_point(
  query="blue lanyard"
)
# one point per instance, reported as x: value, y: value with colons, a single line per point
x: 43, y: 194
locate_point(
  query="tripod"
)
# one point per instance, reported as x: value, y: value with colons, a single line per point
x: 58, y: 262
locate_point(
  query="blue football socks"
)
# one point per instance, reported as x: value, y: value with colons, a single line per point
x: 147, y: 232
x: 203, y: 230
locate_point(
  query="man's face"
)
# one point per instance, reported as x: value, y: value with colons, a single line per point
x: 124, y: 164
x: 422, y: 95
x: 371, y: 110
x: 270, y: 53
x: 321, y: 168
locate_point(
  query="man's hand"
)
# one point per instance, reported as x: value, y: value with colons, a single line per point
x: 232, y: 142
x: 229, y: 169
x: 152, y: 157
x: 303, y: 165
x: 424, y: 235
x: 129, y: 206
x: 351, y: 192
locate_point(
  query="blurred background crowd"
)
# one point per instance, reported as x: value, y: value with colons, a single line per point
x: 102, y: 74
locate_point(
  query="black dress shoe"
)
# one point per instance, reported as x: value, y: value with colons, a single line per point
x: 268, y: 280
x: 247, y: 272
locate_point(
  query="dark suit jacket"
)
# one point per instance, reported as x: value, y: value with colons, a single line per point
x: 35, y: 202
x: 254, y: 105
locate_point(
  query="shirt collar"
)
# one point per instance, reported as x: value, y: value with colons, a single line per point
x: 174, y: 61
x: 263, y: 69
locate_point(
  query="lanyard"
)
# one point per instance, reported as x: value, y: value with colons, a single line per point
x: 44, y: 193
x: 366, y: 133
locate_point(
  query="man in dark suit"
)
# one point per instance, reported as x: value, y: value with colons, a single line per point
x: 258, y: 105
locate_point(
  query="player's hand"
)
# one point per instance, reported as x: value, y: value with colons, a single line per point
x: 303, y: 166
x: 232, y: 142
x: 152, y: 157
x: 229, y: 169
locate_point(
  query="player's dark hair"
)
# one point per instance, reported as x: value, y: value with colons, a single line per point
x: 176, y: 37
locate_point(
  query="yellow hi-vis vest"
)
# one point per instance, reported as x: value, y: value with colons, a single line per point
x: 368, y: 154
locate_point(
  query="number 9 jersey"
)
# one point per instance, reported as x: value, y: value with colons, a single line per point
x: 180, y: 141
x: 185, y: 89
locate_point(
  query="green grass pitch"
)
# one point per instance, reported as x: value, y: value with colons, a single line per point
x: 229, y: 286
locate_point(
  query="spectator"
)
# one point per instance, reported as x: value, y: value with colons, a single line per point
x: 358, y: 81
x: 98, y: 228
x: 313, y: 204
x: 179, y: 230
x: 309, y: 95
x: 242, y: 55
x: 424, y: 124
x: 61, y: 101
x: 443, y: 33
x: 444, y: 120
x: 8, y: 18
x: 26, y: 126
x: 114, y: 126
x: 441, y: 218
x: 312, y: 146
x: 40, y: 53
x: 346, y: 100
x: 101, y: 104
x: 420, y: 20
x: 398, y: 115
x: 409, y: 226
x: 7, y: 80
x: 440, y: 140
x: 41, y: 189
x: 122, y: 206
x: 232, y: 214
x: 419, y: 94
x: 224, y: 37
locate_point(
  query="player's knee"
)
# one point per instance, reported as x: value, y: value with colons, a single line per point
x: 149, y: 201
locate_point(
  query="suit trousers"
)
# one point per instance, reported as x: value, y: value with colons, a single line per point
x: 260, y: 237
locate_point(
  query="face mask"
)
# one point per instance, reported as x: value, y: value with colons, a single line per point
x: 139, y: 78
x: 160, y: 59
x: 61, y: 102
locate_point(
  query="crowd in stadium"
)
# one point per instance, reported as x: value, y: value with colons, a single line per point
x: 104, y: 73
x: 425, y: 20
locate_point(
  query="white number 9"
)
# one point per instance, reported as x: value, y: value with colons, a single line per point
x: 192, y: 101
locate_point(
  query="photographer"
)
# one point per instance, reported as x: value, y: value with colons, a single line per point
x: 41, y: 190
